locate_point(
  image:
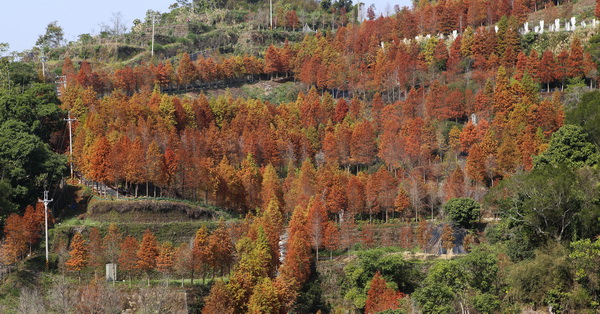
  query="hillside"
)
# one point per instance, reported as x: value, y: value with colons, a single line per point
x: 443, y: 159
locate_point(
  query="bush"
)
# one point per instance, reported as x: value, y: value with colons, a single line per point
x: 462, y: 210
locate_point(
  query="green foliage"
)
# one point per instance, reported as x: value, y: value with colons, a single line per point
x: 587, y: 115
x: 537, y: 280
x: 6, y: 204
x: 444, y: 281
x: 396, y: 271
x: 198, y: 28
x: 585, y: 255
x: 27, y: 161
x: 486, y: 303
x: 593, y: 47
x: 557, y: 203
x: 462, y: 210
x: 398, y: 311
x: 27, y: 121
x: 21, y: 73
x: 481, y: 267
x: 310, y: 298
x: 528, y: 40
x: 53, y: 36
x: 570, y: 146
x: 449, y: 283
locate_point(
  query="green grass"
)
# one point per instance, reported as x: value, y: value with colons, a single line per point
x: 176, y: 232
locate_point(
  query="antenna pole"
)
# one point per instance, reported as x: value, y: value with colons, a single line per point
x: 46, y: 201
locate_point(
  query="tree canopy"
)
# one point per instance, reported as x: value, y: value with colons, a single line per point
x: 570, y: 146
x: 462, y: 211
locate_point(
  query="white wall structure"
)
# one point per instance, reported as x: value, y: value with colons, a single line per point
x: 111, y: 272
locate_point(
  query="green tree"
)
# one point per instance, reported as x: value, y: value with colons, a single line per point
x: 28, y: 118
x: 556, y: 203
x: 570, y: 146
x: 537, y: 280
x: 53, y: 36
x: 585, y: 255
x: 441, y: 288
x: 587, y: 115
x: 458, y: 284
x: 402, y: 275
x: 26, y: 161
x: 462, y: 210
x: 6, y: 204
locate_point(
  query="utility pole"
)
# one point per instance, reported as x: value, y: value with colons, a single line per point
x: 46, y: 202
x: 43, y: 59
x: 153, y: 19
x: 271, y: 13
x: 70, y: 121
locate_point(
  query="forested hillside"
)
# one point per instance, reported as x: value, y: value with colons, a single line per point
x: 440, y: 159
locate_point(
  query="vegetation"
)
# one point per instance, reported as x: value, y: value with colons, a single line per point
x: 282, y: 169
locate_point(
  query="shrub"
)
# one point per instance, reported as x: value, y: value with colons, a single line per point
x: 462, y: 210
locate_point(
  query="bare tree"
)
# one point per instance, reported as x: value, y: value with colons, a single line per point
x: 98, y: 297
x: 160, y: 300
x: 116, y: 27
x: 31, y: 302
x: 60, y: 296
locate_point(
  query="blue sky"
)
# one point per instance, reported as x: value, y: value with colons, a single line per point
x: 22, y: 21
x: 381, y: 5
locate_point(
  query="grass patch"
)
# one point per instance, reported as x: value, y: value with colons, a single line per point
x: 176, y: 232
x: 151, y: 210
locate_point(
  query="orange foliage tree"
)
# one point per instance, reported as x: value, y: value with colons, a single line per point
x: 147, y: 253
x: 200, y: 253
x: 165, y: 259
x: 380, y: 297
x: 128, y: 257
x: 78, y: 255
x: 14, y: 245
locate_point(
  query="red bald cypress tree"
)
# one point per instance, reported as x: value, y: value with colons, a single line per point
x: 575, y: 62
x: 128, y: 257
x: 380, y: 297
x: 147, y: 253
x: 547, y: 69
x: 78, y: 256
